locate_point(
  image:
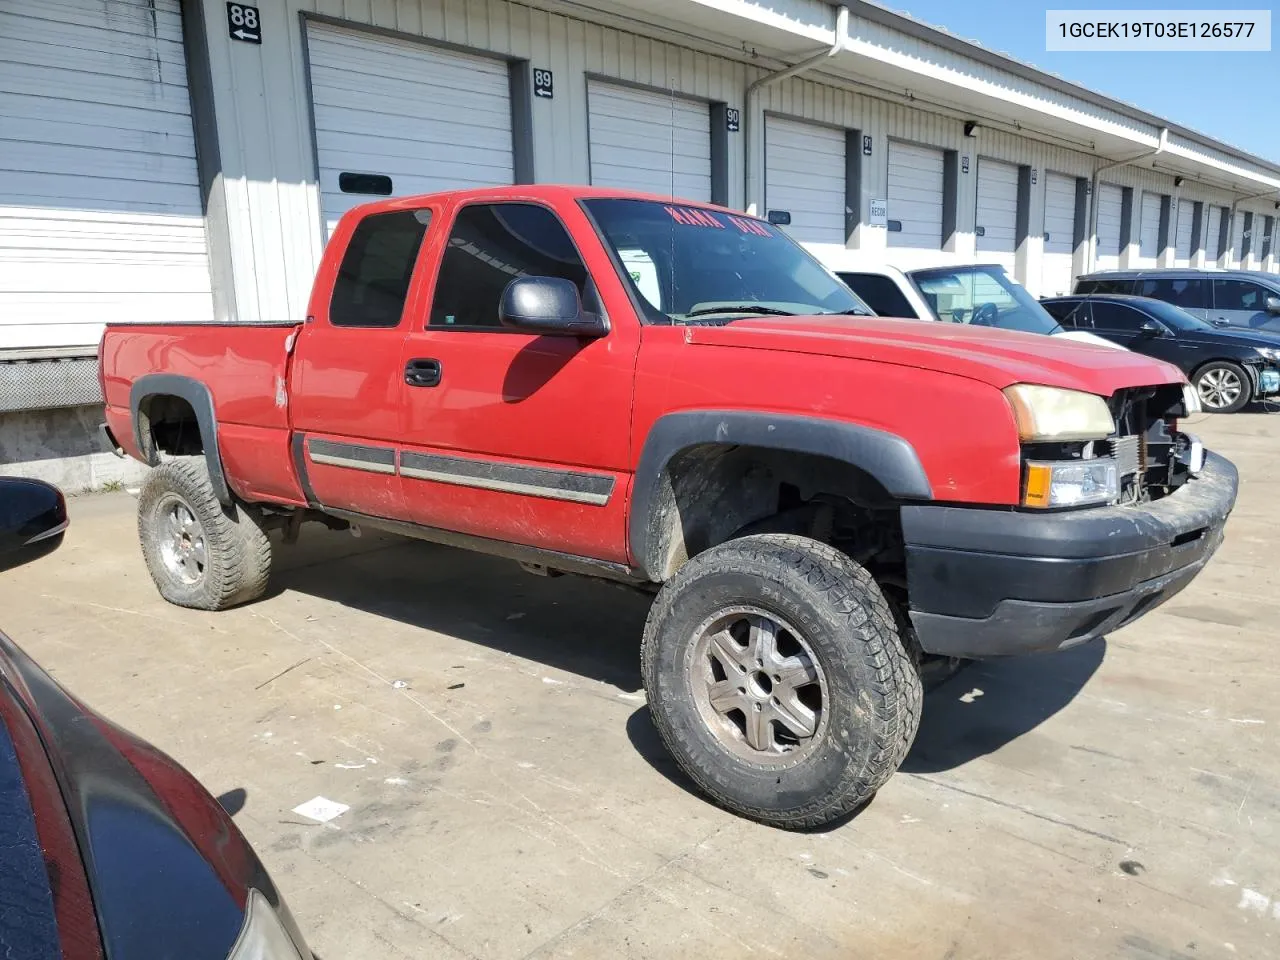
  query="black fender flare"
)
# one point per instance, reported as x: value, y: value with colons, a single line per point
x: 201, y: 400
x: 885, y: 456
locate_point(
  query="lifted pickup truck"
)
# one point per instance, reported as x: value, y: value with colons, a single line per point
x: 679, y: 397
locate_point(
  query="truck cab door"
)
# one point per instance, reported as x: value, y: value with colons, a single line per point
x: 510, y: 435
x: 347, y: 379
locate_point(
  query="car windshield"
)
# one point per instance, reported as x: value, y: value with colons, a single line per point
x: 688, y: 264
x: 1175, y: 317
x: 983, y: 296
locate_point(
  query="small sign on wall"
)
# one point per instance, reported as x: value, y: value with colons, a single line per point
x: 543, y: 83
x: 243, y: 23
x: 866, y: 145
x: 732, y: 119
x: 964, y: 163
x: 878, y: 214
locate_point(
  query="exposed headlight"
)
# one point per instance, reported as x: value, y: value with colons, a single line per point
x: 1190, y: 399
x: 1271, y: 353
x: 1070, y: 483
x: 263, y: 936
x: 1053, y: 414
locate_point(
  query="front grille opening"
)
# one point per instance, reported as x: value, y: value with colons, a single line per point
x: 1191, y: 536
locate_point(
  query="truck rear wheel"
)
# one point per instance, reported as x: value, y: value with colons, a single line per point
x: 777, y: 679
x: 199, y: 553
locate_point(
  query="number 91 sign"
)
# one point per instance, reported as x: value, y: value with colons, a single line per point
x: 243, y: 23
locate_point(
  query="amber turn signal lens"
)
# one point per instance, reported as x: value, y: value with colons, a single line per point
x: 1039, y: 481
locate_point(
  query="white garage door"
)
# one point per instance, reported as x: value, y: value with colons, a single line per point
x: 997, y: 214
x: 1237, y: 241
x: 427, y: 118
x: 641, y: 140
x: 804, y: 174
x: 1149, y: 230
x: 1110, y: 202
x: 1212, y: 234
x: 100, y: 212
x: 1059, y: 234
x: 915, y: 196
x: 1182, y: 236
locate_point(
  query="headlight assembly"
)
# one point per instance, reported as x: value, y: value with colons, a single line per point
x: 1270, y: 353
x: 1052, y: 414
x: 1070, y: 483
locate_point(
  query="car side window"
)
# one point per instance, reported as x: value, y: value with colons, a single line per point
x: 1116, y: 316
x: 492, y: 244
x: 1104, y: 286
x: 1238, y: 295
x: 879, y: 293
x: 377, y: 268
x: 1072, y: 314
x: 1185, y: 292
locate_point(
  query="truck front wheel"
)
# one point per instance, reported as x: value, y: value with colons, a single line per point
x: 777, y: 679
x: 199, y: 553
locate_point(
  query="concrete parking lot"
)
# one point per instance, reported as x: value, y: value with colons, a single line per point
x: 509, y: 797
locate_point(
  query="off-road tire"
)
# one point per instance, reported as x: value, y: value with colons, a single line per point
x: 237, y: 550
x: 1246, y: 392
x: 873, y: 696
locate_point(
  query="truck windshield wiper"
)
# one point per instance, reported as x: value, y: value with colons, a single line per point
x: 855, y: 312
x: 742, y: 308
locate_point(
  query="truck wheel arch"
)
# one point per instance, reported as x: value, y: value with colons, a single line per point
x: 887, y: 459
x: 200, y: 399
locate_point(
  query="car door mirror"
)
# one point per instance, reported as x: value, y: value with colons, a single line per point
x: 1272, y: 304
x: 1152, y: 328
x: 1221, y: 322
x: 33, y: 515
x: 550, y: 306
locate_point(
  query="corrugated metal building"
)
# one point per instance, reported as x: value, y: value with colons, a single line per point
x: 185, y: 159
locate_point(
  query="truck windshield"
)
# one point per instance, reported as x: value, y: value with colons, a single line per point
x: 983, y: 296
x: 688, y: 264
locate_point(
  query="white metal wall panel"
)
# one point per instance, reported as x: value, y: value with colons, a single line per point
x: 100, y: 211
x: 996, y: 219
x: 1110, y: 210
x: 915, y: 195
x: 428, y: 118
x: 1212, y: 233
x: 1182, y: 236
x: 1059, y: 232
x: 1149, y: 229
x: 644, y: 140
x: 804, y: 175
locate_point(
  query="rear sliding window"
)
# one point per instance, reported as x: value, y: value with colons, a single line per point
x: 373, y: 280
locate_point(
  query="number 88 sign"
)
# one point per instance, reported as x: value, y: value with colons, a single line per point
x: 244, y: 23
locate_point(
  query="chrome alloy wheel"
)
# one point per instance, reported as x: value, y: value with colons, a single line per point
x: 182, y: 541
x: 1219, y: 388
x: 758, y: 686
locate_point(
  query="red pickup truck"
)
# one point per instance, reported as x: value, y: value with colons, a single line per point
x: 678, y: 397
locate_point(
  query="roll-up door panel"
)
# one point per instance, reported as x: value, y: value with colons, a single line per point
x: 1182, y: 235
x: 1110, y: 211
x: 650, y: 141
x: 1060, y: 230
x: 997, y: 212
x: 915, y: 195
x: 421, y: 116
x: 805, y: 176
x: 1149, y: 235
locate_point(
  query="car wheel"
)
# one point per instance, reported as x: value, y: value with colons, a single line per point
x: 199, y: 553
x: 1224, y: 387
x: 777, y: 679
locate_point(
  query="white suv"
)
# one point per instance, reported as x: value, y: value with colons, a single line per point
x: 982, y: 294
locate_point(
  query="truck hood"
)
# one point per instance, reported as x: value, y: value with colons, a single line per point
x: 997, y: 357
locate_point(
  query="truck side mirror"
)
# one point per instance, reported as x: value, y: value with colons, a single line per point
x: 1272, y: 304
x: 33, y: 516
x: 550, y: 306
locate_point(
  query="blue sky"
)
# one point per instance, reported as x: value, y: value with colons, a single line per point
x: 1230, y: 96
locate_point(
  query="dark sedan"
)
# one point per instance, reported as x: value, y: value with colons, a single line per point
x: 109, y: 848
x: 1230, y: 367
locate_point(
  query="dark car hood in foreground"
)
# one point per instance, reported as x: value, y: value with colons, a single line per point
x: 169, y: 872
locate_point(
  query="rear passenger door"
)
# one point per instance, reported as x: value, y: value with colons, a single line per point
x: 344, y: 396
x: 1242, y: 303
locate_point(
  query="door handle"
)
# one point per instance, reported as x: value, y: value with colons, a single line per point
x: 422, y: 372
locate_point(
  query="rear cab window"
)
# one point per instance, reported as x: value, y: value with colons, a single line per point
x: 377, y: 268
x: 881, y: 293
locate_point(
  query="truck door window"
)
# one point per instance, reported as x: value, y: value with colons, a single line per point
x: 491, y: 245
x: 880, y: 293
x: 373, y: 278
